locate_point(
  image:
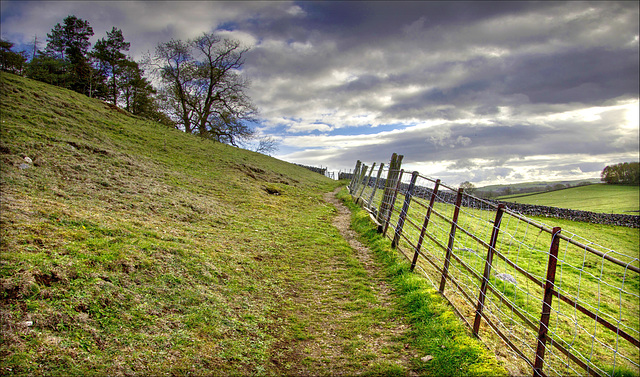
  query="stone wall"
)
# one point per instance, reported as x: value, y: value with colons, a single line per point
x: 631, y: 221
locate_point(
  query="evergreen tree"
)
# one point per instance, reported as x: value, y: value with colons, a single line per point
x: 11, y: 61
x: 46, y: 68
x: 70, y: 42
x: 111, y: 59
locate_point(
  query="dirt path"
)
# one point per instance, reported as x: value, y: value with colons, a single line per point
x: 343, y: 316
x: 343, y: 222
x: 383, y: 339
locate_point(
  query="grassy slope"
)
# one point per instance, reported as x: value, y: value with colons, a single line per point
x: 130, y: 248
x: 538, y: 184
x: 594, y: 198
x: 134, y: 248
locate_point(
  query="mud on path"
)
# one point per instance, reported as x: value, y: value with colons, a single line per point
x: 351, y: 323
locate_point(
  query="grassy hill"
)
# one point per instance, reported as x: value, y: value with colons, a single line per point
x: 536, y: 186
x: 599, y: 198
x: 130, y: 248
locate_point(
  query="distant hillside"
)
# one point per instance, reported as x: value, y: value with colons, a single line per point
x: 600, y: 198
x: 529, y: 187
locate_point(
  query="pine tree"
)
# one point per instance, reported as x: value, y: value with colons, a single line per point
x: 111, y: 59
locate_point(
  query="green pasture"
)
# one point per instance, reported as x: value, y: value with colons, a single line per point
x: 600, y: 198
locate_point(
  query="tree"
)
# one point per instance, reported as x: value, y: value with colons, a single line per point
x: 111, y: 59
x: 46, y: 68
x: 138, y: 94
x: 468, y: 187
x: 202, y: 89
x: 266, y: 145
x: 70, y: 42
x: 623, y: 173
x: 11, y: 61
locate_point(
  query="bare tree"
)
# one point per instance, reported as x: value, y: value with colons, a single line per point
x: 468, y: 187
x: 203, y: 89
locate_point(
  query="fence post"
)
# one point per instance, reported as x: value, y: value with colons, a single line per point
x: 487, y: 268
x: 424, y: 226
x: 362, y: 174
x: 405, y: 209
x: 392, y: 174
x: 546, y: 305
x: 375, y: 188
x: 368, y: 181
x: 452, y: 236
x: 353, y: 177
x: 392, y: 203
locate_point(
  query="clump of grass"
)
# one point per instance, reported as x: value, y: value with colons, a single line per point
x: 436, y: 331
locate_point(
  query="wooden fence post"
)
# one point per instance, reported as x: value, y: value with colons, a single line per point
x: 392, y: 203
x: 452, y: 236
x: 405, y: 209
x: 546, y: 305
x: 368, y: 181
x: 353, y: 177
x: 375, y: 188
x: 424, y: 226
x: 487, y: 268
x: 389, y: 185
x: 362, y: 175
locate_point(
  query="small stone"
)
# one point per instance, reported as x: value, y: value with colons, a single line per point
x: 24, y: 166
x: 507, y: 278
x: 28, y: 323
x: 28, y: 160
x: 426, y: 358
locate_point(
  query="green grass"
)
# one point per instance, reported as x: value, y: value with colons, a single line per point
x: 600, y: 198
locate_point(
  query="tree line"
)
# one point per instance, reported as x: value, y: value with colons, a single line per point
x: 201, y: 90
x: 626, y: 173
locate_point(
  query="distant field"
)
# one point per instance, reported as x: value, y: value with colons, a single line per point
x: 594, y: 198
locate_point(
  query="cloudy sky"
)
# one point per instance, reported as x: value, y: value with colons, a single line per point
x: 489, y: 92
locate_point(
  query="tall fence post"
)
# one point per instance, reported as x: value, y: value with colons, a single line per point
x: 375, y: 188
x: 452, y: 237
x: 353, y: 177
x: 389, y: 185
x: 423, y: 231
x: 487, y: 268
x: 405, y: 209
x: 392, y: 203
x: 546, y: 305
x: 367, y: 182
x: 362, y: 175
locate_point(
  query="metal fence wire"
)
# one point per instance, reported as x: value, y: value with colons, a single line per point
x: 562, y: 303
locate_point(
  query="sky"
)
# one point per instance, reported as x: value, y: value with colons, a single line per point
x: 487, y: 92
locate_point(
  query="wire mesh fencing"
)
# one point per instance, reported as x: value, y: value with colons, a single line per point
x: 565, y: 305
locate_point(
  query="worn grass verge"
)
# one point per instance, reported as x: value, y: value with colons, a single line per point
x: 435, y: 330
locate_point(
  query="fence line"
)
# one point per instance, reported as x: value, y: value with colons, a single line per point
x: 563, y: 304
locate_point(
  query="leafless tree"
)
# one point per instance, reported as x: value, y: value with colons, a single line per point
x: 203, y: 90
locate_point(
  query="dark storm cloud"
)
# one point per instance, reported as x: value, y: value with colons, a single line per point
x: 586, y: 76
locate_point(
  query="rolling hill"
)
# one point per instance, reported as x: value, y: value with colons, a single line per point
x: 600, y: 198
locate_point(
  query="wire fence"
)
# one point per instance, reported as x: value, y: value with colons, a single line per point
x: 565, y: 305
